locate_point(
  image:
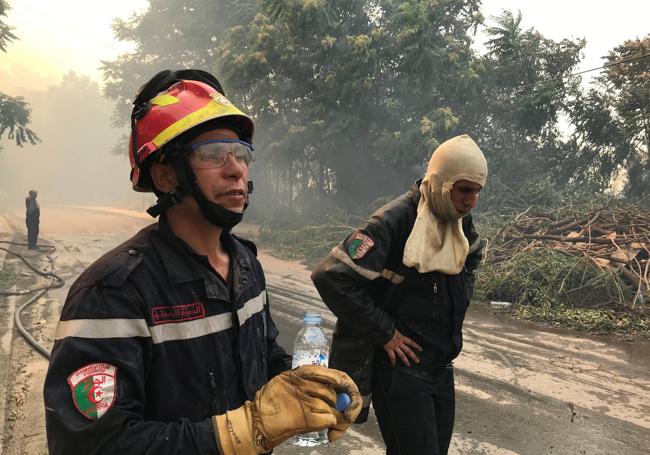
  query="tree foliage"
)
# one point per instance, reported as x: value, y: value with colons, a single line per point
x: 14, y: 111
x: 612, y: 121
x: 351, y: 92
x: 170, y: 34
x: 351, y: 96
x: 6, y: 36
x: 14, y: 118
x: 522, y: 92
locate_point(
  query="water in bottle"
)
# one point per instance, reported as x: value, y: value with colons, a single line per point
x: 310, y: 348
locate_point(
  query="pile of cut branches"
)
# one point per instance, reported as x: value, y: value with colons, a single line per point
x: 614, y: 240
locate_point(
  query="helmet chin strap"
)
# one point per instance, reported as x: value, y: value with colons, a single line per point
x: 214, y: 213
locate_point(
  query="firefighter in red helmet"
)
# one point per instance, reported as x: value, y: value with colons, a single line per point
x: 166, y: 344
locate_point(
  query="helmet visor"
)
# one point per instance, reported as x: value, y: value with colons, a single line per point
x: 213, y: 153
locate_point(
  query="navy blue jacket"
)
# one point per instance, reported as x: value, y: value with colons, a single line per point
x: 152, y: 342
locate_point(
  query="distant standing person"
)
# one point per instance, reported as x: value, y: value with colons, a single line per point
x: 400, y: 286
x: 32, y: 218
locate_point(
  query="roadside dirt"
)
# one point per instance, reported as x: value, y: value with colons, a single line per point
x: 521, y: 389
x: 22, y: 402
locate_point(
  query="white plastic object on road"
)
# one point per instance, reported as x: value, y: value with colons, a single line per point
x: 500, y: 305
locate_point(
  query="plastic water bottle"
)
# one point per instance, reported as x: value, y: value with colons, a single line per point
x: 310, y: 348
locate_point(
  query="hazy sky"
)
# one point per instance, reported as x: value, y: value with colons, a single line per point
x: 603, y: 23
x: 75, y: 34
x: 57, y: 36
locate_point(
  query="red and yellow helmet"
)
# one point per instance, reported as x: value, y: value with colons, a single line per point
x: 181, y: 107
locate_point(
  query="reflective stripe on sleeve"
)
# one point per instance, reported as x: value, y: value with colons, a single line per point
x: 342, y: 256
x: 161, y: 333
x: 252, y: 307
x: 102, y: 328
x: 392, y: 276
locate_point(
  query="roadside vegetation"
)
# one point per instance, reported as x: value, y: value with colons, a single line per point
x: 571, y: 266
x: 15, y: 112
x: 579, y: 261
x: 309, y: 238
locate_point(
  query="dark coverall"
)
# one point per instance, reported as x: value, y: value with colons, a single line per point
x: 32, y: 220
x: 152, y: 343
x: 375, y: 294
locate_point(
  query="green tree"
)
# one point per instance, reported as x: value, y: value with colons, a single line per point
x: 5, y: 30
x: 14, y: 111
x: 612, y: 121
x: 517, y: 103
x: 170, y: 34
x: 350, y: 93
x: 351, y: 96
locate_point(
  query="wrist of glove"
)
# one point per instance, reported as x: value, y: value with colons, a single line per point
x: 235, y: 432
x: 294, y: 402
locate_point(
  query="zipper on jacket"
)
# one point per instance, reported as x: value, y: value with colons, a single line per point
x: 215, y: 392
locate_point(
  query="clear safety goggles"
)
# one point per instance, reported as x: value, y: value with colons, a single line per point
x: 213, y: 153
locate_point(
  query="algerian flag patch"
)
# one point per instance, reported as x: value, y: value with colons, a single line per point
x: 93, y: 389
x: 359, y: 245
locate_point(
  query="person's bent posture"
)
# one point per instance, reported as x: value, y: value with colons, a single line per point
x: 400, y: 287
x: 166, y: 344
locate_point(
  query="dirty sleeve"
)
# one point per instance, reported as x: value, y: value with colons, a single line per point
x: 95, y: 390
x: 343, y: 279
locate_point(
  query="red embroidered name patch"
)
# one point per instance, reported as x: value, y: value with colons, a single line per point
x: 177, y: 313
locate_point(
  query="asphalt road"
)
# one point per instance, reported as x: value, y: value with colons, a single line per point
x: 521, y: 388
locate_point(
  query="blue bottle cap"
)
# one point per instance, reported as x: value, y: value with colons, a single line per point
x: 342, y: 401
x: 311, y: 317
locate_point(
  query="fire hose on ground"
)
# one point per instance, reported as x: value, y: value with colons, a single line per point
x: 55, y: 282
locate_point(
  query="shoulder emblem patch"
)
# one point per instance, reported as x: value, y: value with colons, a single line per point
x: 94, y: 389
x: 359, y: 245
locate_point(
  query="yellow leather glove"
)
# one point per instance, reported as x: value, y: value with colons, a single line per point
x: 295, y: 401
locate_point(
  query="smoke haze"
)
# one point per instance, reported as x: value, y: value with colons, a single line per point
x: 73, y: 164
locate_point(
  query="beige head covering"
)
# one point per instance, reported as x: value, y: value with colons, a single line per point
x: 437, y: 242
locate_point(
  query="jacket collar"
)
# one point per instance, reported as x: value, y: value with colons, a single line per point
x: 414, y: 192
x: 184, y: 265
x: 176, y: 255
